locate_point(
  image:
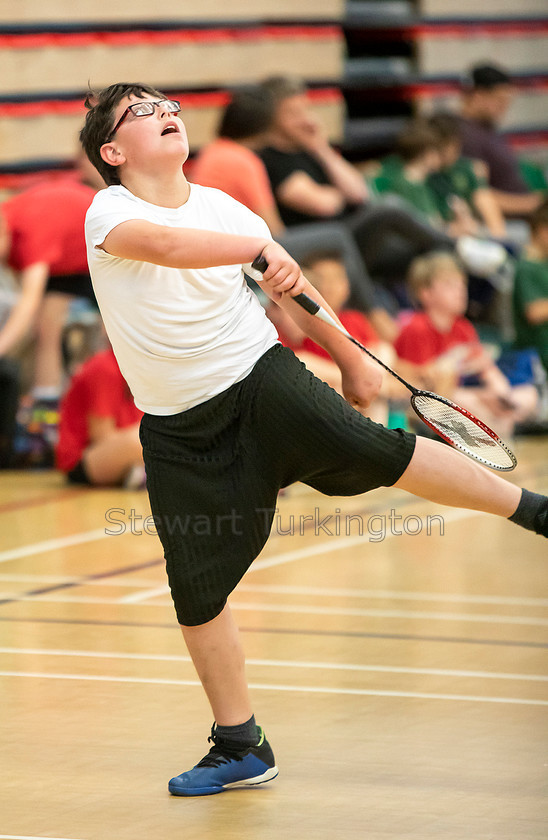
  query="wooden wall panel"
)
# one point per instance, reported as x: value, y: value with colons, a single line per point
x: 166, y: 60
x: 474, y: 9
x: 89, y: 11
x: 55, y: 136
x: 444, y: 54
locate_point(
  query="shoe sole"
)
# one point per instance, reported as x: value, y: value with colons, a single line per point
x: 270, y: 774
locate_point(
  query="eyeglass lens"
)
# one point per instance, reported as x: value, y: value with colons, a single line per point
x: 143, y: 109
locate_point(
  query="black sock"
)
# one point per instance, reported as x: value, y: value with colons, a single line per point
x: 240, y: 736
x: 532, y: 512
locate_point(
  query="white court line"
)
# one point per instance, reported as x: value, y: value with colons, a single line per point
x: 421, y: 614
x: 79, y: 580
x: 338, y: 543
x: 390, y: 594
x: 307, y: 689
x: 138, y: 597
x: 280, y: 589
x: 379, y: 594
x: 333, y: 544
x: 278, y: 663
x: 302, y: 609
x: 52, y: 545
x: 30, y: 837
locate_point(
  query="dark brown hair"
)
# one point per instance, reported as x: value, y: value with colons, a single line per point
x: 416, y: 139
x: 539, y: 217
x: 100, y: 122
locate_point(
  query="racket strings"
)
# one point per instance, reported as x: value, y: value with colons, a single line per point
x: 463, y: 431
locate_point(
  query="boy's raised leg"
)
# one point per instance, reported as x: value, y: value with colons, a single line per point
x: 443, y: 475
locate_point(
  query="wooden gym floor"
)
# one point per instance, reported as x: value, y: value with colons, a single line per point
x: 400, y: 674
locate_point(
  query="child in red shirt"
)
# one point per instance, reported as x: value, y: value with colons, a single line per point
x: 43, y: 243
x: 443, y: 349
x: 99, y: 427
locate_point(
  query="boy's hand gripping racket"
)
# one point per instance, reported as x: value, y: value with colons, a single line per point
x: 454, y: 424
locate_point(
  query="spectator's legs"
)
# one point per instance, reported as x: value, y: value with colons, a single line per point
x: 108, y: 461
x: 9, y: 389
x: 304, y: 240
x: 48, y: 365
x: 389, y: 237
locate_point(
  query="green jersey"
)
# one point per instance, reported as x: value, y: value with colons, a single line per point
x: 531, y: 284
x: 458, y: 180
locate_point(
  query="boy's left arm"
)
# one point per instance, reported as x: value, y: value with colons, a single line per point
x: 361, y: 377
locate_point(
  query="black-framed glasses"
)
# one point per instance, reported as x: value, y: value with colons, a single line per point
x: 145, y: 109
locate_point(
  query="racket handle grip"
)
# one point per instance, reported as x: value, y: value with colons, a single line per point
x: 260, y: 264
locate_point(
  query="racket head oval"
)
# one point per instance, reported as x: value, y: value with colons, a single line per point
x: 463, y: 430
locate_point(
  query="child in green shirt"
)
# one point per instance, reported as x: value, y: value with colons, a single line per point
x: 405, y: 174
x: 460, y: 186
x: 530, y: 299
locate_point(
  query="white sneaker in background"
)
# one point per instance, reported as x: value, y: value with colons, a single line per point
x: 481, y: 257
x: 136, y: 479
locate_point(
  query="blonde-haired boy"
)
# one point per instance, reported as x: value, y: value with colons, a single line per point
x: 444, y: 352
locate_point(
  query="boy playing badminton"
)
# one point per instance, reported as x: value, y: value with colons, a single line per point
x: 230, y: 415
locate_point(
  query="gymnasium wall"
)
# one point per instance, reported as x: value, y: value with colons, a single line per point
x: 409, y: 56
x: 194, y: 52
x: 369, y: 64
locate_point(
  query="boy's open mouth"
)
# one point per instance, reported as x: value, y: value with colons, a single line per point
x: 171, y: 128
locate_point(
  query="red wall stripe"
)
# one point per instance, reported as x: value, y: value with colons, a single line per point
x: 213, y: 99
x: 128, y: 38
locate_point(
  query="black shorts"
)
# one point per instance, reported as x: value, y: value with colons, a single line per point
x: 78, y: 474
x: 77, y: 285
x: 214, y: 471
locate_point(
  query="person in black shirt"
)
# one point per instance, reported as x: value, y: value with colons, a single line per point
x: 313, y: 184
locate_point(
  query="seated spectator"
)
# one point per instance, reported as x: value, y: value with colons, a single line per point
x: 9, y: 389
x: 311, y: 180
x: 99, y: 427
x: 314, y: 184
x: 460, y: 184
x: 230, y: 162
x: 406, y: 174
x: 444, y: 354
x: 530, y: 301
x: 43, y: 244
x: 486, y: 97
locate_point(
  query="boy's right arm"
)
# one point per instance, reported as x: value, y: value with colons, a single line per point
x: 144, y: 241
x: 189, y: 248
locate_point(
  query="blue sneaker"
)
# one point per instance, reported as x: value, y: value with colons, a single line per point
x: 224, y: 768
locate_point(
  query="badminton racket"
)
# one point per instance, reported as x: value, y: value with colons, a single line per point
x: 450, y: 421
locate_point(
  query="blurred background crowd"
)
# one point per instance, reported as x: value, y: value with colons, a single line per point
x: 400, y: 155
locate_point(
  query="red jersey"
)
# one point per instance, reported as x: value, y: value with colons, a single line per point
x: 357, y: 325
x: 98, y: 389
x: 421, y: 342
x: 235, y: 170
x: 46, y: 224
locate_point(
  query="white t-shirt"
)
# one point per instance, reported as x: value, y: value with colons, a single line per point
x: 180, y: 336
